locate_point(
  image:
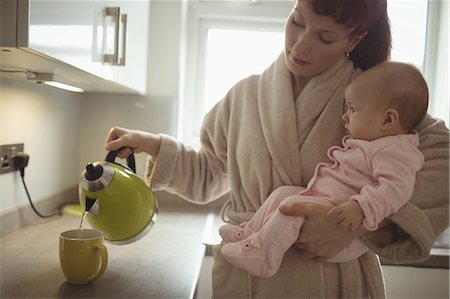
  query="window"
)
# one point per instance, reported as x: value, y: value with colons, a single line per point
x: 226, y: 42
x: 407, y: 35
x: 248, y: 51
x: 223, y: 37
x: 420, y: 37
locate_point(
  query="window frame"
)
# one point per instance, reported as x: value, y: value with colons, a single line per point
x: 436, y: 59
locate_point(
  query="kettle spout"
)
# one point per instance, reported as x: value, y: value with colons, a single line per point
x: 92, y: 206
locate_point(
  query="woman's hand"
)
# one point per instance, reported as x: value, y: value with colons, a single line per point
x: 134, y: 140
x: 320, y: 236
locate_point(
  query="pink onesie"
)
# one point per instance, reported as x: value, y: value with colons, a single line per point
x: 379, y: 174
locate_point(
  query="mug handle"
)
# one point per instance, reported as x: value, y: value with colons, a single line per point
x: 104, y: 255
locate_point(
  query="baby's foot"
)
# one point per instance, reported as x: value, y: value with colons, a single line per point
x: 231, y: 233
x: 249, y: 256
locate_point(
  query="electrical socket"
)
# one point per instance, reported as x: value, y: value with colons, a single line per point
x: 7, y: 155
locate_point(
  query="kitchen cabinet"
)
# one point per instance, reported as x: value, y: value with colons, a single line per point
x: 107, y: 39
x: 416, y: 283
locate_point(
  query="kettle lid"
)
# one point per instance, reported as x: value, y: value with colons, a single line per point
x: 97, y: 176
x: 93, y: 172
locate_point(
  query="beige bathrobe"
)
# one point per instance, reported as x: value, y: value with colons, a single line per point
x: 257, y: 139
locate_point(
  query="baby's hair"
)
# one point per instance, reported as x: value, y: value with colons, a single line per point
x: 404, y: 89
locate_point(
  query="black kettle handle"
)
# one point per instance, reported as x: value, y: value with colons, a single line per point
x: 111, y: 157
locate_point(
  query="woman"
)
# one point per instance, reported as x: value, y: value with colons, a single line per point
x: 273, y: 129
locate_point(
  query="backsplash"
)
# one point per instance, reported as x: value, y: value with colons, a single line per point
x: 47, y: 121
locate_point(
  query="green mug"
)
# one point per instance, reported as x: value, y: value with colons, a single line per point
x: 82, y: 255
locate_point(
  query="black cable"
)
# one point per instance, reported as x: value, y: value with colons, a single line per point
x: 32, y: 205
x: 21, y: 161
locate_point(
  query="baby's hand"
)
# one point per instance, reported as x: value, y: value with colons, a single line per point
x: 348, y: 214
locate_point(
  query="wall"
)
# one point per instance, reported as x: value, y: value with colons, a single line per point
x: 101, y: 112
x: 46, y: 120
x: 63, y: 131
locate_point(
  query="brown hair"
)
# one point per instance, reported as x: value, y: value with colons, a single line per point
x: 364, y: 16
x: 403, y: 88
x: 409, y: 92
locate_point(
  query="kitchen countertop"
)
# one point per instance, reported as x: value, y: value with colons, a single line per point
x: 163, y: 264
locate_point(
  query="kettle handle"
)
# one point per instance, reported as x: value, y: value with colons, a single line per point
x: 111, y: 156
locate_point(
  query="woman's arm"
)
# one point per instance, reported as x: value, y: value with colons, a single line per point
x: 196, y: 175
x: 406, y: 236
x: 320, y: 236
x: 413, y: 229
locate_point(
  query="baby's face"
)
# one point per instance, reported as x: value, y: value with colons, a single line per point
x: 364, y: 117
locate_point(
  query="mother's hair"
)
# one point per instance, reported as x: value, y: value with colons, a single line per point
x: 362, y: 16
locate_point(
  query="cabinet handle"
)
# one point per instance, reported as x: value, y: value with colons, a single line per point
x: 116, y: 58
x: 124, y: 20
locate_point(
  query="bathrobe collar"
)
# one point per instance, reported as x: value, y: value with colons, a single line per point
x: 279, y: 112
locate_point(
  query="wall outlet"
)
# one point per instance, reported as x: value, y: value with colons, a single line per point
x: 7, y: 155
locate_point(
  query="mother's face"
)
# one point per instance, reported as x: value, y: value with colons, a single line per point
x: 314, y: 43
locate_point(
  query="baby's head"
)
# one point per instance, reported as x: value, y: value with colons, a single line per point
x: 388, y: 99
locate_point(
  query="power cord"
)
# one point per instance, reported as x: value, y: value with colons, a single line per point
x: 21, y: 161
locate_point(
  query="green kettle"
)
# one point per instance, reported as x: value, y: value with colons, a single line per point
x: 117, y: 202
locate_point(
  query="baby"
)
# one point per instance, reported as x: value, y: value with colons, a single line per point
x: 371, y: 176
